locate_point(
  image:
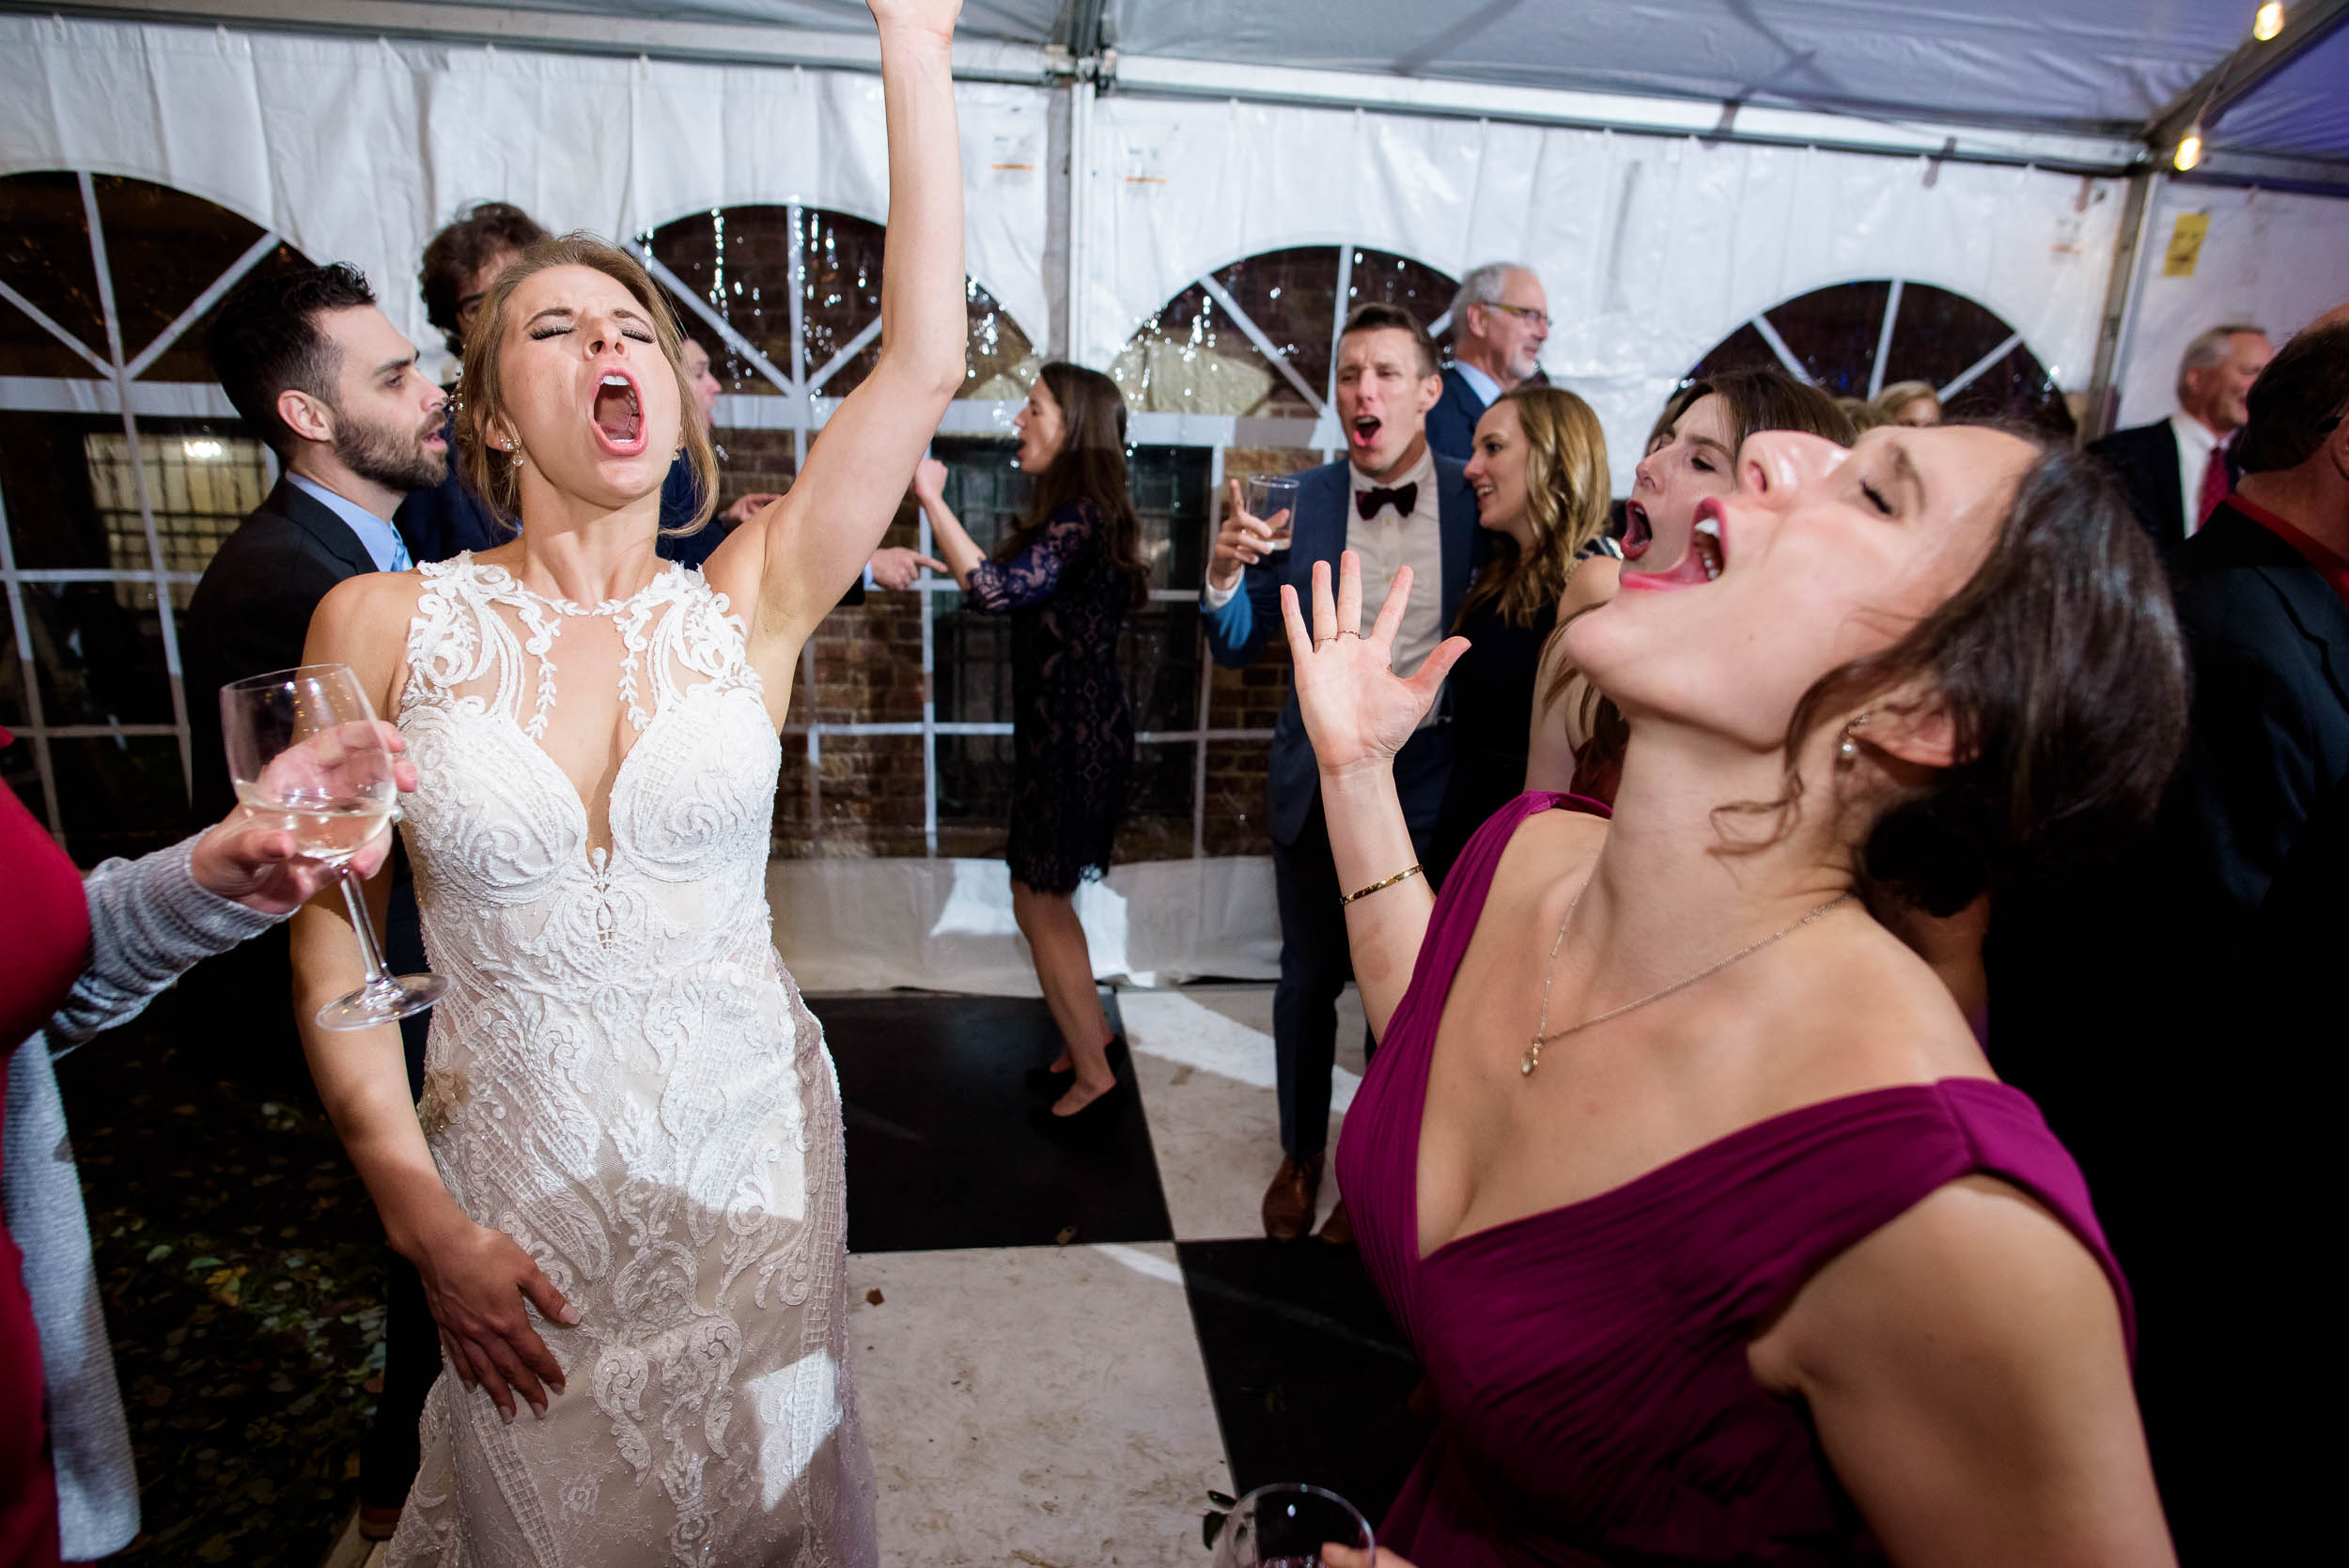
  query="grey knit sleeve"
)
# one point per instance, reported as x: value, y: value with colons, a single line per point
x: 148, y: 924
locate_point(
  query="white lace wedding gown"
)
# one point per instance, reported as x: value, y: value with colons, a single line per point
x: 623, y: 1078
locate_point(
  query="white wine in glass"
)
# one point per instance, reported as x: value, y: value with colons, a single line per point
x: 308, y: 759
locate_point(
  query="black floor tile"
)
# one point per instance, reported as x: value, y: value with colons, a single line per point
x: 1310, y: 1377
x: 941, y: 1153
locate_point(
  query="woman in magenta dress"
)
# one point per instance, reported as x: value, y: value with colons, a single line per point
x: 1750, y: 1258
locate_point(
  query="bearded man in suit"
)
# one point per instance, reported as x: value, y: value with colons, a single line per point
x: 318, y: 373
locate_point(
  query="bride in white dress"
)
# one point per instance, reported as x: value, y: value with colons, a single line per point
x: 623, y: 1185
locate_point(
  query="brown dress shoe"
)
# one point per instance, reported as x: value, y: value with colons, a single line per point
x: 1288, y: 1202
x: 1338, y: 1231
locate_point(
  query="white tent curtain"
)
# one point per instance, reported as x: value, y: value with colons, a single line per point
x: 1653, y: 249
x: 2267, y: 257
x: 357, y: 150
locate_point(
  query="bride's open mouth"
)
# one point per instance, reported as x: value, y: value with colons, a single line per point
x: 618, y: 414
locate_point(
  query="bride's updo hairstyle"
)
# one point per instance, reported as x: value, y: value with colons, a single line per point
x: 2065, y: 678
x: 489, y: 470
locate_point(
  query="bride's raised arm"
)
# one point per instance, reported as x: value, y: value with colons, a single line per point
x: 795, y: 560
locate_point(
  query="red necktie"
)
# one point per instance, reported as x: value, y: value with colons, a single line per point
x: 2215, y: 485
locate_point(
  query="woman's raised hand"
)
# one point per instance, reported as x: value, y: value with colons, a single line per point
x: 1358, y: 711
x: 929, y: 481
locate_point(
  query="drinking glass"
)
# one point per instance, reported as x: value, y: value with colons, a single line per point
x: 307, y: 758
x: 1285, y: 1527
x: 1268, y: 495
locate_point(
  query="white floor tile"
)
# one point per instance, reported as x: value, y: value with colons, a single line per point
x: 1044, y: 1407
x: 1204, y: 1062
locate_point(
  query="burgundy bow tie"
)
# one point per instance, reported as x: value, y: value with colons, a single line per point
x: 1401, y: 497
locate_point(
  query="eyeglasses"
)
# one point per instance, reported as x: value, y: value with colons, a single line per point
x: 1527, y: 313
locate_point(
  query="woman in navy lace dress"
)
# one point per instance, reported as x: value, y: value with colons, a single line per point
x: 1067, y: 576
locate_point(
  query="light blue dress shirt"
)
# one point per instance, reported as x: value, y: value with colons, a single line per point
x: 384, y: 545
x: 1480, y: 383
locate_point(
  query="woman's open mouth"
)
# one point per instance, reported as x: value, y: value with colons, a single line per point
x: 1707, y: 554
x: 1636, y: 534
x: 618, y: 414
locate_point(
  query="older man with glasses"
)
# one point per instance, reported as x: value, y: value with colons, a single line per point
x: 1499, y: 320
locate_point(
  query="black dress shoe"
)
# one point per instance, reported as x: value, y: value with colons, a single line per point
x: 1049, y: 1081
x: 1099, y: 1114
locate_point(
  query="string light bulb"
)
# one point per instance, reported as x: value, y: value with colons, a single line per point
x: 2269, y: 22
x: 2189, y: 150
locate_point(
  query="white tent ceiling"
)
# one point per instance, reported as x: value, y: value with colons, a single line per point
x: 2103, y: 67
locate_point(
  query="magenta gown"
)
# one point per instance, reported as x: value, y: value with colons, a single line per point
x: 1589, y: 1362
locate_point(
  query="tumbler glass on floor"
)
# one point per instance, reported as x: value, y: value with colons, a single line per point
x: 307, y: 758
x: 1286, y: 1526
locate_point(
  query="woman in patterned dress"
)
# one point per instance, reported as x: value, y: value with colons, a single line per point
x: 1067, y: 576
x: 631, y: 1133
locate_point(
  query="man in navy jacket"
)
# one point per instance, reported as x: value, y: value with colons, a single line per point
x: 1395, y: 503
x: 1499, y: 320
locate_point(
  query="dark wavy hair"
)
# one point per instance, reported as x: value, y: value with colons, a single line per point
x: 478, y: 232
x: 1088, y: 470
x: 2297, y: 401
x: 2064, y: 674
x: 266, y: 340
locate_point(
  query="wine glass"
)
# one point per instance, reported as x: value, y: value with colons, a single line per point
x: 1287, y: 1526
x: 307, y: 758
x: 1268, y: 496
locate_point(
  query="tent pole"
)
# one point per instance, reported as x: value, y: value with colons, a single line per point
x: 2121, y: 292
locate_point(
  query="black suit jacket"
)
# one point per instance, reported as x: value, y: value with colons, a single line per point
x: 251, y: 614
x: 2270, y: 645
x: 2144, y: 458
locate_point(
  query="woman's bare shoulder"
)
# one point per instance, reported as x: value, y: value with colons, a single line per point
x: 364, y: 605
x: 1546, y: 847
x: 1593, y: 582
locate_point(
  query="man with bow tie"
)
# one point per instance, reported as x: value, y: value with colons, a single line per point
x: 1394, y: 503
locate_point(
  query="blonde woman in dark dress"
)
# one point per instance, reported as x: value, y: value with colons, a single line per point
x: 1538, y: 464
x: 1067, y: 575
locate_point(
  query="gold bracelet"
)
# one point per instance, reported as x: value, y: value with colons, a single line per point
x: 1404, y: 874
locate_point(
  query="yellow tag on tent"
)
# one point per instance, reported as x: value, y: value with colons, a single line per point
x: 2185, y: 245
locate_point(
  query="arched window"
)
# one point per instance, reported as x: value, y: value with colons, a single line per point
x: 1259, y: 337
x: 1853, y: 339
x: 124, y: 469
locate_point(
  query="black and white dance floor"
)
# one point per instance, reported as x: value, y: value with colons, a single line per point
x: 1062, y: 1349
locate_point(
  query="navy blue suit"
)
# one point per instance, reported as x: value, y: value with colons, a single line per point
x: 1451, y: 423
x: 1314, y: 961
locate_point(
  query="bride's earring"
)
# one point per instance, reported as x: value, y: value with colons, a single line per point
x: 514, y: 454
x: 1847, y: 749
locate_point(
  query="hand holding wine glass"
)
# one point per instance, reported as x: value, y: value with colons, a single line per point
x: 312, y: 762
x: 249, y: 860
